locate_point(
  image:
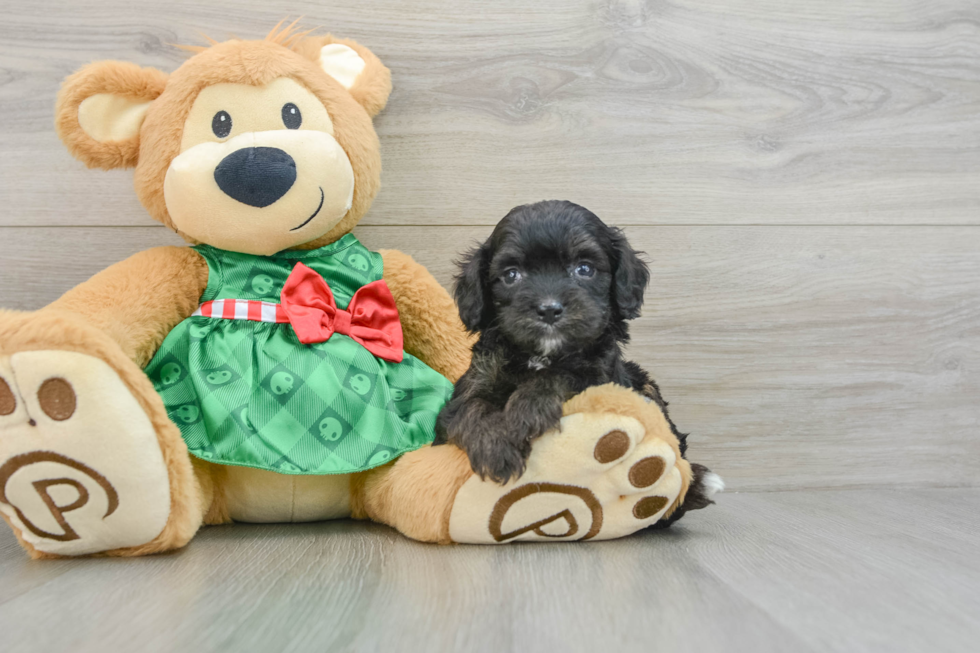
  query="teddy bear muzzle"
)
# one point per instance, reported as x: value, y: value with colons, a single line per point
x: 260, y: 192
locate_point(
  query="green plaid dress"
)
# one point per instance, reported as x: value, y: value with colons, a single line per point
x: 248, y: 393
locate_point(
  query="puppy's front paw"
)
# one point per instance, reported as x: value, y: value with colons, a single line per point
x: 498, y: 458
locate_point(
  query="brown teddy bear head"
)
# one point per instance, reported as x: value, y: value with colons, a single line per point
x: 249, y: 146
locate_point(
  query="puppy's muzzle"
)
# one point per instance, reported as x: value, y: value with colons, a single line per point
x: 550, y: 312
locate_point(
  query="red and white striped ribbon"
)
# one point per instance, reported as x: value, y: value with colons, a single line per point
x: 242, y: 309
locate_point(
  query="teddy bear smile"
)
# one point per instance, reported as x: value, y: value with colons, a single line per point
x: 320, y: 206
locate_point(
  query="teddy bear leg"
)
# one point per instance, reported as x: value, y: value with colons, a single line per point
x: 90, y: 463
x: 612, y: 468
x: 414, y: 494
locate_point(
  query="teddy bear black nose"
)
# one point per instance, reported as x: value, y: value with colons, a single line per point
x: 257, y: 176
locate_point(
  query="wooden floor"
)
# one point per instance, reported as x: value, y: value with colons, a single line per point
x: 805, y: 179
x: 857, y: 570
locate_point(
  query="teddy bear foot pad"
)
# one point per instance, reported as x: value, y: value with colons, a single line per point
x: 81, y: 470
x: 596, y: 477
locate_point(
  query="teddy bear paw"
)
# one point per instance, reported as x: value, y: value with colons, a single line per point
x: 81, y: 470
x: 599, y: 476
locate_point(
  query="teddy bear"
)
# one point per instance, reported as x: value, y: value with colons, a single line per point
x: 275, y: 370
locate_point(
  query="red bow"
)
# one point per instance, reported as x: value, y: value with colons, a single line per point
x: 371, y: 317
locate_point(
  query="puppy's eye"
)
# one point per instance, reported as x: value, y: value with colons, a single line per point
x: 221, y: 124
x: 584, y: 270
x: 511, y: 276
x: 291, y: 117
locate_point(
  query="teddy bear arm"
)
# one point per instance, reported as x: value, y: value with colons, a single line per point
x: 430, y: 322
x: 139, y: 300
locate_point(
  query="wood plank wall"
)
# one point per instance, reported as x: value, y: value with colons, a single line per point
x: 805, y: 178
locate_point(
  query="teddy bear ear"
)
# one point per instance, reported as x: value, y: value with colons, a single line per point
x: 357, y: 69
x: 101, y: 108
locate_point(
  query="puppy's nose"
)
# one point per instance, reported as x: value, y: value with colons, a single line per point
x: 549, y: 312
x: 257, y: 176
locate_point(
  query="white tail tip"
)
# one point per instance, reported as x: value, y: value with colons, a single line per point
x: 713, y: 484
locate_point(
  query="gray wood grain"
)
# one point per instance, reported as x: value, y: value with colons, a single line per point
x: 804, y: 177
x: 683, y: 112
x: 804, y: 357
x: 860, y: 570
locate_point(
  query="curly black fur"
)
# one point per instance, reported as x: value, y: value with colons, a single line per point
x: 549, y: 293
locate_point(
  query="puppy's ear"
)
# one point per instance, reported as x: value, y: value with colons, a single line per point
x: 472, y: 292
x: 630, y: 276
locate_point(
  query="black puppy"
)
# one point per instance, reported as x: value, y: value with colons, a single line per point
x: 549, y: 293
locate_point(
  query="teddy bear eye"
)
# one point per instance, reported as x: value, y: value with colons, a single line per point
x: 291, y: 117
x: 221, y: 124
